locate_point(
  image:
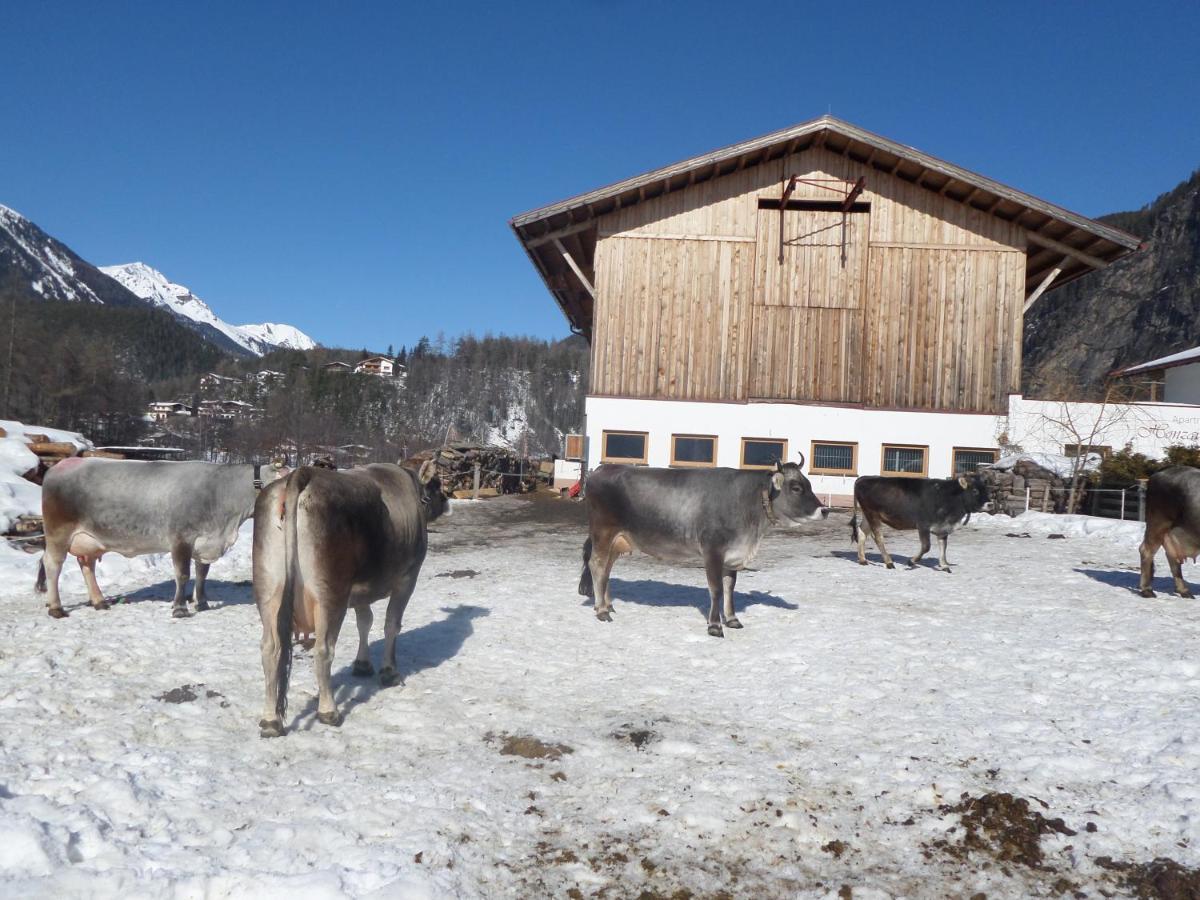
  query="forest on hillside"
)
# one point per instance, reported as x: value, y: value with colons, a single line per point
x: 94, y: 369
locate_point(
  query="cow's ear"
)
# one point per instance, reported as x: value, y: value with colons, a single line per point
x: 777, y: 482
x: 427, y: 471
x: 964, y: 482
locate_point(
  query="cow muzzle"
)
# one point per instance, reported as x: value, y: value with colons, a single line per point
x: 819, y: 513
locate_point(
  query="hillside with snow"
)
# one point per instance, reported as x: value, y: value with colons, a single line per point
x: 151, y: 285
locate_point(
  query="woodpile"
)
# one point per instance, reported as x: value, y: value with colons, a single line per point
x: 501, y: 471
x: 1047, y: 490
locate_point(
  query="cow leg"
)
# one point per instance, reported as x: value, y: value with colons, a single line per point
x: 52, y: 561
x: 877, y: 534
x: 388, y: 676
x: 329, y: 616
x: 88, y: 565
x: 714, y: 568
x: 728, y: 582
x: 861, y: 534
x: 1150, y: 545
x: 1181, y: 586
x: 362, y: 662
x: 600, y: 564
x: 181, y: 556
x: 912, y: 563
x: 198, y: 592
x: 943, y: 563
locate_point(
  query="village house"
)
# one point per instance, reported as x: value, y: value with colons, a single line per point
x: 1171, y: 379
x: 338, y: 368
x: 382, y: 366
x: 161, y: 410
x: 226, y: 410
x: 820, y: 291
x: 211, y: 381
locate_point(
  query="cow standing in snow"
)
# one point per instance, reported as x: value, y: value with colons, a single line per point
x: 717, y: 515
x: 327, y: 541
x: 191, y: 510
x: 1173, y: 523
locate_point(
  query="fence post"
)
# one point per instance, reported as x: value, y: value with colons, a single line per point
x: 1045, y: 497
x: 1027, y: 492
x: 475, y: 484
x: 1123, y: 491
x: 1141, y: 499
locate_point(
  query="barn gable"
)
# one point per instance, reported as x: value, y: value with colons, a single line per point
x: 820, y: 264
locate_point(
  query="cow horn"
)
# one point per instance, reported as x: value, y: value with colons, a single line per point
x: 800, y: 453
x: 427, y: 471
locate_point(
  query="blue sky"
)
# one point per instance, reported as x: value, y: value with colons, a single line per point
x: 350, y: 168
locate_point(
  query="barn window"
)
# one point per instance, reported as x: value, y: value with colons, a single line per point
x: 905, y: 459
x: 833, y: 458
x: 574, y: 448
x: 693, y: 450
x: 968, y: 459
x: 624, y: 447
x: 763, y: 453
x: 1074, y: 450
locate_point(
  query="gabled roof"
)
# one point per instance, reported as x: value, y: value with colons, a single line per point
x: 1058, y: 237
x: 1182, y: 358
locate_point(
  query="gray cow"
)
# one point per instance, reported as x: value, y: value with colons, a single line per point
x: 1173, y: 523
x: 327, y: 541
x: 191, y: 510
x: 718, y: 516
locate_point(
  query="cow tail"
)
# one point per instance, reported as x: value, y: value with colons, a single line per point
x: 296, y: 483
x: 585, y: 580
x: 40, y: 584
x: 854, y: 523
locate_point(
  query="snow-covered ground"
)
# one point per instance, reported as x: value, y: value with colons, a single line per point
x: 534, y: 751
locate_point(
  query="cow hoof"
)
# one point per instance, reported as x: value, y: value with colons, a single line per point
x: 180, y: 612
x: 945, y: 569
x: 715, y: 631
x: 733, y: 623
x: 604, y: 616
x: 1146, y: 592
x: 389, y: 677
x: 330, y: 718
x: 1186, y: 595
x: 863, y: 562
x: 57, y: 612
x: 202, y: 606
x: 270, y: 728
x: 362, y: 668
x: 102, y: 605
x: 890, y: 565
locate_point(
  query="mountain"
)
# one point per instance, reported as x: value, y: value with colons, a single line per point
x: 1145, y: 306
x: 151, y: 285
x: 35, y: 266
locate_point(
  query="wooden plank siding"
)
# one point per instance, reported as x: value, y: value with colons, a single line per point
x: 692, y: 302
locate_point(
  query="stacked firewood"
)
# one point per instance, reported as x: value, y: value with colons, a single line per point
x: 501, y: 471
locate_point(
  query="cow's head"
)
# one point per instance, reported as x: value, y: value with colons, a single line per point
x: 434, y: 501
x: 791, y: 496
x: 974, y: 493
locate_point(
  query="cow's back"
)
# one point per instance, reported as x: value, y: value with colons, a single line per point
x: 1173, y: 501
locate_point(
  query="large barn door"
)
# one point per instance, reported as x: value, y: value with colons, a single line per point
x: 807, y: 313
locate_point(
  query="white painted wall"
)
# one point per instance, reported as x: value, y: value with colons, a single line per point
x: 798, y: 424
x: 1032, y: 425
x: 1182, y: 384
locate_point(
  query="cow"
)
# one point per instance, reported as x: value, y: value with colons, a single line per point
x: 929, y: 505
x: 191, y: 510
x: 1173, y: 523
x: 325, y: 541
x: 718, y: 515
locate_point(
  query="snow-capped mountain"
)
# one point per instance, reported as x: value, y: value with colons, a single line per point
x: 36, y: 266
x: 150, y: 284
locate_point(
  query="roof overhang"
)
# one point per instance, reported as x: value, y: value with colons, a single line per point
x: 1188, y: 357
x: 561, y: 238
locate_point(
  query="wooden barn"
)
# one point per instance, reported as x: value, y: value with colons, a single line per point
x: 820, y: 290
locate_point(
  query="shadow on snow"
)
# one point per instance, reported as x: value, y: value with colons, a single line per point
x: 1129, y: 581
x: 426, y: 647
x: 661, y: 593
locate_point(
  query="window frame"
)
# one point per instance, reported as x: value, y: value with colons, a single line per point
x: 883, y: 469
x: 763, y: 440
x: 627, y: 460
x: 812, y: 455
x: 1105, y: 450
x: 954, y: 451
x: 684, y: 464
